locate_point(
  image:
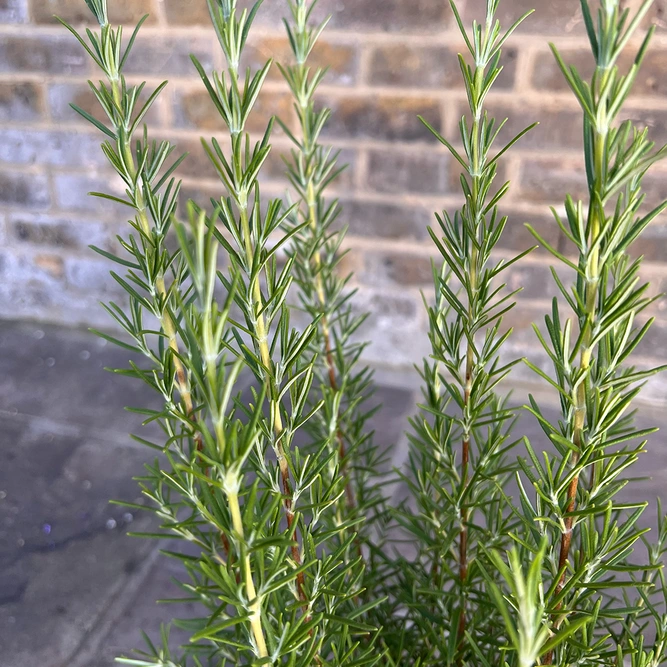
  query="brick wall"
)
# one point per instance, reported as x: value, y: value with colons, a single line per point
x: 390, y: 60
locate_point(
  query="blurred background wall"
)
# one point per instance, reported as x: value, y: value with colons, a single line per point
x: 390, y: 60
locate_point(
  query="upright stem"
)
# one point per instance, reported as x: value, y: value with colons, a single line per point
x: 592, y: 269
x: 465, y: 462
x: 255, y: 605
x: 474, y: 213
x: 165, y: 318
x: 326, y: 334
x: 265, y: 355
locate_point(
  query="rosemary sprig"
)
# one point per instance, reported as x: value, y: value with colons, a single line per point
x: 259, y: 520
x: 344, y: 384
x: 460, y: 440
x: 590, y: 533
x: 323, y: 294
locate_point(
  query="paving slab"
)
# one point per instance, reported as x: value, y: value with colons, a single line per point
x: 64, y: 554
x: 58, y: 374
x: 123, y: 634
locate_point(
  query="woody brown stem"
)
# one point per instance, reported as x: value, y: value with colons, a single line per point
x: 566, y: 539
x: 296, y: 552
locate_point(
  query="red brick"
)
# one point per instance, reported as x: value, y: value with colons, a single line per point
x: 384, y: 220
x: 658, y: 15
x: 170, y: 55
x: 516, y: 236
x: 187, y: 12
x: 51, y: 264
x: 340, y: 60
x: 548, y: 76
x: 195, y: 109
x: 654, y: 186
x: 654, y: 344
x: 391, y: 15
x: 20, y: 101
x: 275, y: 169
x: 403, y: 172
x: 533, y: 279
x: 272, y: 12
x: 409, y: 66
x: 556, y: 129
x: 652, y: 244
x: 548, y: 181
x: 386, y: 118
x: 651, y: 78
x: 654, y: 120
x: 201, y: 193
x: 396, y: 268
x: 61, y: 95
x: 76, y: 11
x: 46, y: 54
x: 550, y: 17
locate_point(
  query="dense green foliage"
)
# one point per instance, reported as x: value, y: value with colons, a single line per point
x: 267, y: 466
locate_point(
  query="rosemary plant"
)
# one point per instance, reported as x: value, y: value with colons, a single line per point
x: 230, y: 479
x: 266, y: 465
x: 460, y: 441
x: 575, y: 521
x: 344, y: 385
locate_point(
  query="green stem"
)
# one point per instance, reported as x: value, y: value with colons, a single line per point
x: 165, y: 318
x: 255, y: 605
x: 273, y: 390
x: 581, y: 392
x: 474, y: 213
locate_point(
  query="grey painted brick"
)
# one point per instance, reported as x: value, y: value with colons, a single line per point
x: 24, y: 190
x: 72, y: 193
x: 91, y: 274
x: 51, y: 147
x: 45, y: 230
x: 394, y: 329
x: 13, y: 11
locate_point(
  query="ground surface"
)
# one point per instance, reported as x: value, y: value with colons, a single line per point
x: 74, y: 589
